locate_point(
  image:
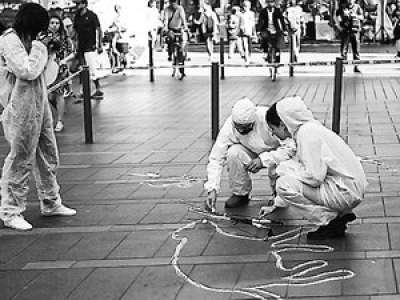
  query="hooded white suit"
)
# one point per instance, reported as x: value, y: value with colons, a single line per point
x: 323, y: 161
x: 238, y: 150
x: 28, y: 127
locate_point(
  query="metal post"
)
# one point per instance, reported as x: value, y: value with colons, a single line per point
x: 151, y: 63
x: 222, y: 56
x: 337, y: 95
x: 291, y: 49
x: 214, y: 100
x: 87, y: 106
x: 383, y: 21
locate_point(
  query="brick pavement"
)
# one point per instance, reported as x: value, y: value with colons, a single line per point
x: 132, y: 187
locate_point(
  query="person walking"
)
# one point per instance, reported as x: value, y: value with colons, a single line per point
x: 247, y: 28
x: 27, y: 120
x: 209, y: 28
x: 90, y: 37
x: 295, y: 20
x: 235, y: 40
x: 349, y: 18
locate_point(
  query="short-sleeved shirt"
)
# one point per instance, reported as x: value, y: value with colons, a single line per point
x: 85, y: 27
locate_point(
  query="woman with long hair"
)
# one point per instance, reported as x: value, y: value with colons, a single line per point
x: 60, y: 50
x: 27, y: 121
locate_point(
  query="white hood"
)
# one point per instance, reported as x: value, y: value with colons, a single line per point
x: 293, y: 113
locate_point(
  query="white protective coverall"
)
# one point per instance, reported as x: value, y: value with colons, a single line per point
x: 323, y: 161
x: 28, y: 128
x: 237, y: 150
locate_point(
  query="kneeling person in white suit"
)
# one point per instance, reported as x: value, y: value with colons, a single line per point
x: 246, y: 145
x: 325, y: 180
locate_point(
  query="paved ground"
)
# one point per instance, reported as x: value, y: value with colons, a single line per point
x: 133, y: 187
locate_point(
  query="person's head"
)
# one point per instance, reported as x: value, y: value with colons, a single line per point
x: 68, y: 25
x: 286, y: 116
x: 81, y: 5
x: 270, y: 3
x: 56, y: 24
x: 244, y: 116
x: 246, y: 5
x: 31, y: 19
x: 117, y: 8
x: 397, y: 13
x: 151, y: 3
x: 293, y: 2
x: 173, y: 3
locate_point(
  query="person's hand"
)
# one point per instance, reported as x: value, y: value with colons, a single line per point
x: 210, y: 203
x: 255, y: 165
x: 266, y: 210
x: 285, y: 33
x: 44, y: 38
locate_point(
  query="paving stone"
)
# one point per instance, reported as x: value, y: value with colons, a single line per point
x: 84, y: 191
x: 156, y: 283
x: 94, y: 246
x: 148, y: 192
x: 331, y: 298
x: 387, y: 149
x: 11, y: 245
x: 12, y: 282
x: 367, y: 237
x: 108, y: 173
x: 127, y: 214
x: 140, y: 244
x: 166, y: 213
x: 53, y: 284
x: 197, y: 241
x: 373, y: 277
x: 78, y: 174
x: 194, y: 190
x: 386, y: 297
x: 47, y: 247
x: 132, y: 158
x: 191, y: 157
x: 370, y: 208
x: 161, y: 157
x: 117, y: 191
x: 222, y: 245
x: 262, y: 274
x: 89, y: 158
x: 106, y: 283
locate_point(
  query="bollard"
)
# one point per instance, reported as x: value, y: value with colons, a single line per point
x: 291, y: 49
x: 87, y: 106
x: 337, y: 95
x: 151, y: 62
x: 222, y: 56
x: 214, y: 100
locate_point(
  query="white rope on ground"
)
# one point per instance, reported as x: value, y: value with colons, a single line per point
x: 279, y: 245
x: 155, y: 180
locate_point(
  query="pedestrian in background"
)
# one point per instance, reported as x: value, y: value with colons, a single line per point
x: 27, y: 121
x: 235, y: 40
x: 349, y: 18
x: 89, y: 45
x: 209, y: 28
x: 295, y: 20
x: 247, y: 28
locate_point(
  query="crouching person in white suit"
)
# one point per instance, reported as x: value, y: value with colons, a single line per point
x: 325, y: 180
x: 246, y: 145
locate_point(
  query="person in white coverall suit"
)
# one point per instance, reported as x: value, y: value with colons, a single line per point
x: 325, y: 180
x: 245, y: 144
x: 27, y: 120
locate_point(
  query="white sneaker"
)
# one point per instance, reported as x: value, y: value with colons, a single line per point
x: 59, y: 126
x: 60, y: 210
x: 18, y: 222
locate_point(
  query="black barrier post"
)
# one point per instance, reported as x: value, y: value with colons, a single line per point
x: 87, y: 106
x: 222, y: 56
x: 151, y: 64
x: 291, y: 49
x: 214, y: 100
x: 337, y: 95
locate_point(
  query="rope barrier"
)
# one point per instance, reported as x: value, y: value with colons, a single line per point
x: 64, y: 81
x: 267, y: 65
